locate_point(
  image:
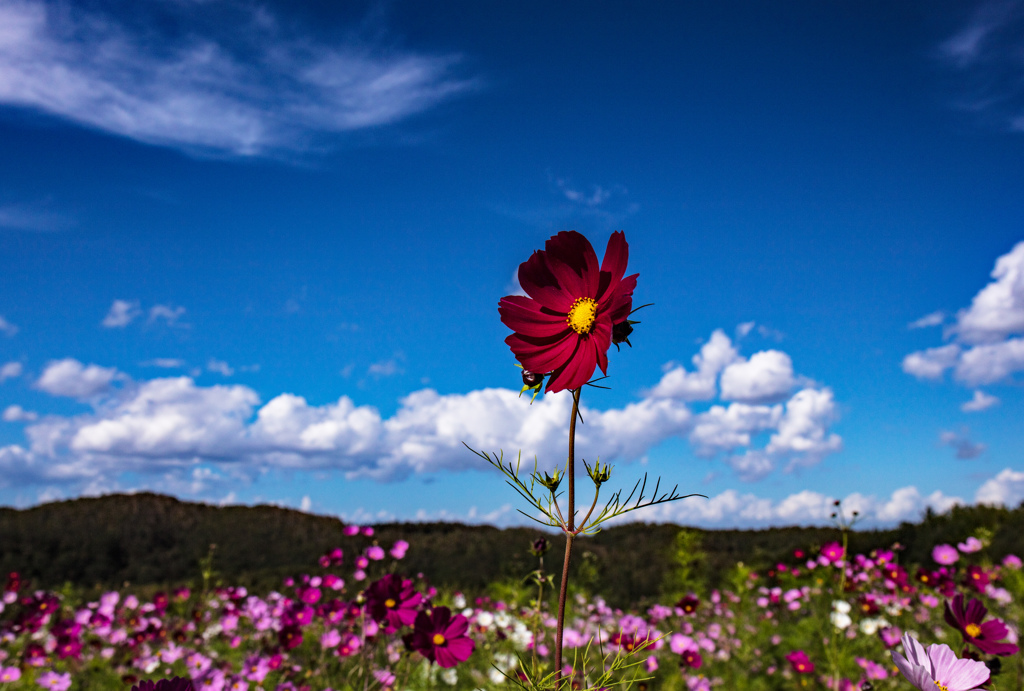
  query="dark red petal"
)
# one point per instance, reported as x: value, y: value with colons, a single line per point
x: 618, y: 303
x: 577, y: 370
x: 975, y: 612
x: 523, y: 315
x: 616, y: 256
x: 537, y: 280
x: 601, y: 337
x: 545, y: 355
x: 461, y: 648
x: 572, y: 260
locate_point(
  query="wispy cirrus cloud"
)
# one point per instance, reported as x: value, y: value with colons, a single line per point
x: 38, y: 218
x: 232, y: 80
x: 986, y: 54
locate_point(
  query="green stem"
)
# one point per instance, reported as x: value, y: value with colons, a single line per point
x: 570, y: 527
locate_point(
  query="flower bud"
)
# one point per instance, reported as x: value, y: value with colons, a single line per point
x: 539, y: 547
x: 621, y: 332
x: 551, y: 481
x: 599, y: 474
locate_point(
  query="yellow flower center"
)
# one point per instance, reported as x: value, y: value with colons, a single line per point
x: 438, y: 639
x: 942, y: 687
x: 389, y: 603
x: 972, y: 630
x: 582, y: 315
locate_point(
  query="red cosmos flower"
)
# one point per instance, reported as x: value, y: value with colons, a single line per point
x: 689, y: 604
x: 440, y: 637
x: 692, y: 659
x: 565, y: 325
x: 969, y: 620
x: 393, y: 600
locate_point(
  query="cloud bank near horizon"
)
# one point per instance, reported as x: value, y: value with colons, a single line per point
x: 756, y: 414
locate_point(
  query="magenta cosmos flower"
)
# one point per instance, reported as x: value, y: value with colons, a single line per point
x: 937, y: 668
x: 986, y: 636
x: 440, y: 637
x: 800, y: 663
x: 175, y: 684
x: 394, y: 601
x: 565, y: 325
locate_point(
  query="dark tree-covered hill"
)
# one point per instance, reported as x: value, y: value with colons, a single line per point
x: 150, y: 539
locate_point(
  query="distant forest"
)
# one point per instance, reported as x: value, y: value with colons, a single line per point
x: 153, y: 540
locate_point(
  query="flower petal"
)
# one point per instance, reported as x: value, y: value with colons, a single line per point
x: 543, y: 355
x: 613, y: 264
x: 537, y: 280
x: 619, y: 301
x: 964, y: 675
x: 572, y: 260
x: 577, y: 371
x: 524, y: 316
x: 601, y: 338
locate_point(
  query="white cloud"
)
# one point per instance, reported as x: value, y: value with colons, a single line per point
x: 231, y: 80
x: 997, y: 311
x: 980, y: 401
x: 15, y: 413
x: 767, y: 377
x: 10, y: 370
x: 965, y: 449
x: 165, y: 363
x: 169, y: 314
x: 173, y: 424
x: 220, y: 367
x: 988, y: 347
x: 71, y: 378
x: 1005, y: 489
x: 931, y: 363
x: 701, y: 384
x: 7, y: 328
x: 121, y: 314
x: 385, y: 368
x: 730, y: 508
x: 933, y: 319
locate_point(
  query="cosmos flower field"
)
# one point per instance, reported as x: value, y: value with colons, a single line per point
x: 820, y: 619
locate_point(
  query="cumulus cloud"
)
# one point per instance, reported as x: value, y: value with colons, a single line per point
x: 7, y: 328
x: 10, y: 370
x: 981, y: 401
x: 767, y: 377
x: 1005, y: 489
x: 701, y: 384
x: 174, y: 425
x: 15, y: 413
x: 988, y: 346
x: 71, y: 378
x: 121, y: 314
x: 220, y: 367
x: 732, y: 508
x: 233, y: 79
x: 165, y: 363
x: 960, y: 442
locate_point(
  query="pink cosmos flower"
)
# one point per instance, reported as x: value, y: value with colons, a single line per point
x: 565, y: 325
x: 945, y: 554
x: 1012, y: 561
x: 800, y: 662
x: 872, y: 670
x: 375, y: 552
x: 938, y: 666
x: 10, y: 674
x: 832, y: 552
x: 175, y: 684
x: 399, y: 549
x: 54, y: 681
x: 971, y: 544
x: 351, y: 530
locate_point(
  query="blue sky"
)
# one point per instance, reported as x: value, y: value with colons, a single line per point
x: 253, y: 252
